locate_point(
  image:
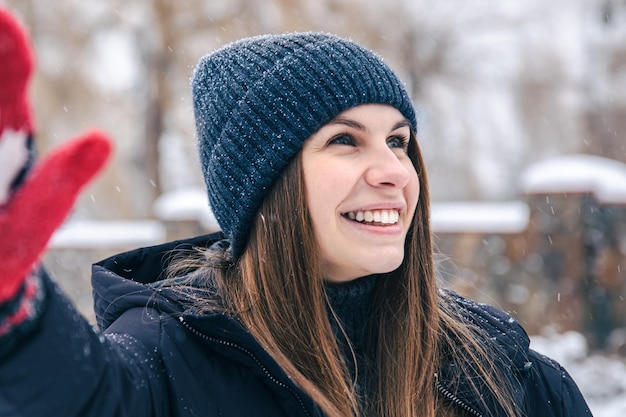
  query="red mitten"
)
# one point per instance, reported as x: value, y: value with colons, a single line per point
x: 33, y: 203
x: 17, y: 65
x: 41, y: 204
x: 16, y: 121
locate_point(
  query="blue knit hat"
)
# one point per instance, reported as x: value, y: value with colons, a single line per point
x: 258, y: 99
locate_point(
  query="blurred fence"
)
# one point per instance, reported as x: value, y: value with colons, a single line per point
x: 559, y: 259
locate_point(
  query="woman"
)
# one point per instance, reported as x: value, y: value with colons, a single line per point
x: 319, y: 297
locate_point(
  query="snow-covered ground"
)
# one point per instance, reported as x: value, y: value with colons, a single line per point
x: 601, y: 379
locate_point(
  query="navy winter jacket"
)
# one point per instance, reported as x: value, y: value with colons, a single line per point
x: 151, y: 359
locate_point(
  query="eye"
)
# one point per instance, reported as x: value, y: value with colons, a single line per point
x: 342, y: 139
x: 398, y: 141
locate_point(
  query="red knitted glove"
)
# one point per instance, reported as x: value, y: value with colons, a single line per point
x: 16, y: 121
x: 33, y: 203
x: 41, y: 204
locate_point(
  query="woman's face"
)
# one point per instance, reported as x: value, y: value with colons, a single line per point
x: 361, y: 190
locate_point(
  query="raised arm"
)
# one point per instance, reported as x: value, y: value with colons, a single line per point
x: 52, y: 362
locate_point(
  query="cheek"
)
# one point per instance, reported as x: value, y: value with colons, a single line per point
x: 413, y: 188
x: 321, y: 202
x: 317, y: 190
x: 323, y: 185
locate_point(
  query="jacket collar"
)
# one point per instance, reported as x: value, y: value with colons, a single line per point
x: 123, y: 281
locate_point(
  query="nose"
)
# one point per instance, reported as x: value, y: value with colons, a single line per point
x: 387, y: 169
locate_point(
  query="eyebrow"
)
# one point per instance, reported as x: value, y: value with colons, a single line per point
x: 356, y: 125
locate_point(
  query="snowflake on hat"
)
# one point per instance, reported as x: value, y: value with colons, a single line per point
x: 35, y: 196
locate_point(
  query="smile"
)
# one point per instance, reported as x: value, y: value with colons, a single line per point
x: 380, y: 217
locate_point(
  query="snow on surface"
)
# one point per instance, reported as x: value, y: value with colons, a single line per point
x: 182, y: 204
x: 578, y: 173
x: 186, y: 204
x: 601, y: 379
x: 494, y: 217
x: 107, y: 234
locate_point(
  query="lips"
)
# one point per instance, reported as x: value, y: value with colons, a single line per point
x: 376, y: 217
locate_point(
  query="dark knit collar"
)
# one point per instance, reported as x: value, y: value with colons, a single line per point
x: 351, y: 302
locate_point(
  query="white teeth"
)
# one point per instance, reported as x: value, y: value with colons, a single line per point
x: 375, y: 216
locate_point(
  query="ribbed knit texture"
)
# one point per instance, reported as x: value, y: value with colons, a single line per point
x: 258, y: 99
x: 351, y: 302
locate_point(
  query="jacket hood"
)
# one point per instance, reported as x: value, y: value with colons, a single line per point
x: 126, y: 280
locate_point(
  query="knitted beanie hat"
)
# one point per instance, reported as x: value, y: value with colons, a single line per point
x: 16, y: 64
x: 258, y: 99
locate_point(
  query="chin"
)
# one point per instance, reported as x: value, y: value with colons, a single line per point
x: 388, y: 266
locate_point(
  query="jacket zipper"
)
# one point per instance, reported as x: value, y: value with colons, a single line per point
x: 267, y: 373
x: 454, y: 399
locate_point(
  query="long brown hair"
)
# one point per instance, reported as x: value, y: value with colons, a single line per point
x: 277, y: 292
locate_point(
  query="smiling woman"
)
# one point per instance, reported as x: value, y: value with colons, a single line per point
x: 317, y: 298
x: 361, y: 191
